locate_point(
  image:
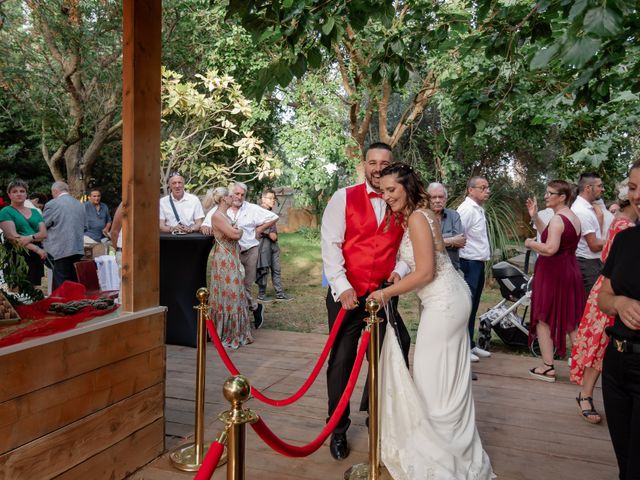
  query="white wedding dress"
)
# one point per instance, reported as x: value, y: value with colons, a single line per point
x: 428, y: 425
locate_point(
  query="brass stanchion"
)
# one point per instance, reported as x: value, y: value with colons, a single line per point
x: 372, y: 470
x: 237, y: 391
x: 189, y: 457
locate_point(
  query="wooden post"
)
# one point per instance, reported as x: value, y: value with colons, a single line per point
x: 141, y: 153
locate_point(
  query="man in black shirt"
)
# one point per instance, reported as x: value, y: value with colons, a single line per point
x: 620, y: 296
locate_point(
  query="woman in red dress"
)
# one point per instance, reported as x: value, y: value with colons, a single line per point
x: 558, y: 299
x: 591, y: 340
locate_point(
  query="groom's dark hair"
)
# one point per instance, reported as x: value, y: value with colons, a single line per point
x: 378, y: 146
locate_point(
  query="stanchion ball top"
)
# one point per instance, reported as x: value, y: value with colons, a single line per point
x: 202, y: 294
x: 236, y: 389
x: 372, y: 306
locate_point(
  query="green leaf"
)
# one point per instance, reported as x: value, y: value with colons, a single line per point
x: 542, y: 57
x: 314, y: 57
x: 602, y: 21
x: 582, y: 50
x: 328, y: 25
x: 577, y: 8
x: 300, y: 67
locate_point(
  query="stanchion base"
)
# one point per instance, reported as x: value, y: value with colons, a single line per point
x: 184, y: 458
x: 361, y: 472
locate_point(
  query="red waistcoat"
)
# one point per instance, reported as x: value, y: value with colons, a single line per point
x: 369, y: 251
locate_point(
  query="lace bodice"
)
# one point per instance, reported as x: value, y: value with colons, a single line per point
x: 446, y: 278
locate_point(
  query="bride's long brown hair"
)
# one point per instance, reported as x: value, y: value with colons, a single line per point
x: 417, y: 195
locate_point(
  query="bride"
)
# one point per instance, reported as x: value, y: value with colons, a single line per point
x: 428, y: 428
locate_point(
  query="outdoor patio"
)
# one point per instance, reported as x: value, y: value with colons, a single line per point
x: 530, y: 429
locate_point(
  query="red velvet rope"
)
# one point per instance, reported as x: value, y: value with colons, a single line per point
x: 210, y: 461
x: 307, y: 384
x: 289, y: 450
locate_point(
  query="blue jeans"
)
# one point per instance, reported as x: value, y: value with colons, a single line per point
x: 474, y: 276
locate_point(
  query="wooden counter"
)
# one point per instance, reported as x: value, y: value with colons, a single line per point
x: 86, y: 403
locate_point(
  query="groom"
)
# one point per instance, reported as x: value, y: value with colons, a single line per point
x: 359, y: 246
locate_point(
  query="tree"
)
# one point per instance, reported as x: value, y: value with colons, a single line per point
x: 206, y: 134
x: 62, y: 60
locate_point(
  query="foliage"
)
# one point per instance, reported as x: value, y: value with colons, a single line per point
x: 310, y: 234
x: 61, y: 60
x: 14, y: 270
x: 205, y: 134
x: 313, y: 141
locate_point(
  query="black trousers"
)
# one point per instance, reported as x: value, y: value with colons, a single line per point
x: 590, y: 269
x: 345, y: 349
x: 474, y: 276
x: 63, y: 270
x: 621, y: 394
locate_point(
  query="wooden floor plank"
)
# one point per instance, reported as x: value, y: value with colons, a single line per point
x: 530, y: 429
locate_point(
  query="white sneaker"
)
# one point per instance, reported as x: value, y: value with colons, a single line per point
x: 474, y: 358
x: 480, y: 352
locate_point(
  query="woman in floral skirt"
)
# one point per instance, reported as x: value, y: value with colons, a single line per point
x: 591, y: 340
x: 229, y: 310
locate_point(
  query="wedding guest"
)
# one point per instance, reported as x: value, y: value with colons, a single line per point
x: 64, y: 217
x: 620, y: 296
x: 269, y: 255
x: 557, y: 300
x: 180, y: 211
x: 359, y: 238
x: 476, y: 250
x: 98, y: 217
x: 115, y: 233
x: 253, y: 220
x: 591, y: 341
x: 590, y: 189
x: 38, y: 200
x: 450, y: 223
x: 24, y: 227
x: 228, y: 303
x: 614, y: 208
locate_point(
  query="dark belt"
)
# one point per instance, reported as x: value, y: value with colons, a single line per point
x: 625, y: 346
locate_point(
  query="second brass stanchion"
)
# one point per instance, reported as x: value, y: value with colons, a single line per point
x: 189, y: 457
x: 372, y: 470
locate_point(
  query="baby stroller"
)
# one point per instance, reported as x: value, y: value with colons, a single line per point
x: 507, y: 318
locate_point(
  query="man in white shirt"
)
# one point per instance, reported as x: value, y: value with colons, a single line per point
x: 253, y: 220
x: 476, y: 250
x: 359, y: 249
x: 180, y: 211
x: 590, y: 189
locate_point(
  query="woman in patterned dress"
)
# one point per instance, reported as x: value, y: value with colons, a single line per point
x: 591, y: 340
x: 228, y: 301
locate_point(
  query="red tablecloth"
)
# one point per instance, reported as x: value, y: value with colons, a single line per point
x: 38, y: 322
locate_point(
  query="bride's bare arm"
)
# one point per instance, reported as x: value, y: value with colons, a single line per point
x: 423, y: 253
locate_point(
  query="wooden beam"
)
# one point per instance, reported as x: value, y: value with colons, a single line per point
x: 141, y: 153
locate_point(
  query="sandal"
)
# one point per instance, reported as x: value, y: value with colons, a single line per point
x: 591, y: 415
x: 545, y: 376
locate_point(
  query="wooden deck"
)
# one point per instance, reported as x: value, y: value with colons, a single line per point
x: 530, y: 429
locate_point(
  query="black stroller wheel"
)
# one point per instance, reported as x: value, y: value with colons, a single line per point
x: 484, y: 335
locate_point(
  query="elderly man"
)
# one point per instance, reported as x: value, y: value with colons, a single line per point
x: 476, y: 250
x: 254, y: 221
x: 180, y: 211
x: 590, y: 189
x: 65, y: 219
x: 450, y: 223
